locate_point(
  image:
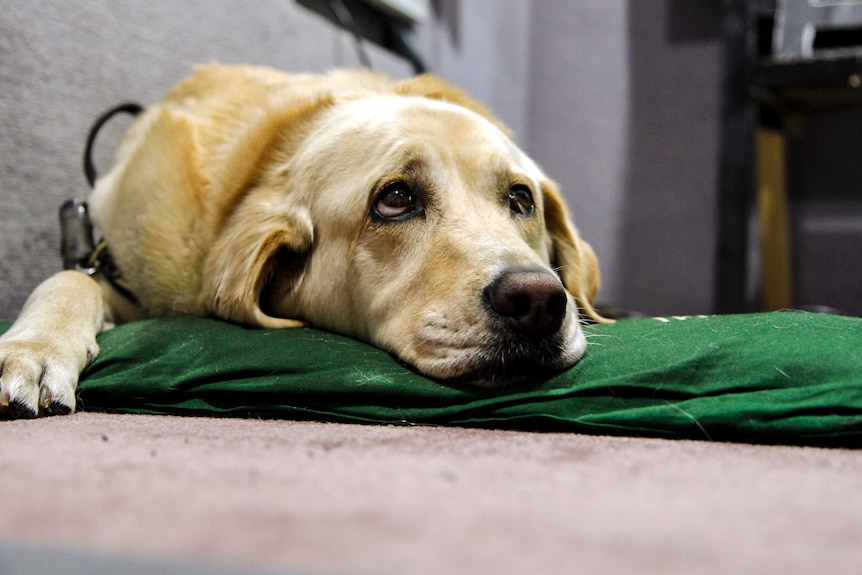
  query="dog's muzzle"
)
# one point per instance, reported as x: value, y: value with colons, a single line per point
x: 527, y: 310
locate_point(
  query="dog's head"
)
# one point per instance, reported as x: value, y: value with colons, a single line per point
x: 410, y: 220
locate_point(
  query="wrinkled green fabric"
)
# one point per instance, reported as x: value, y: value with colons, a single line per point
x: 775, y: 378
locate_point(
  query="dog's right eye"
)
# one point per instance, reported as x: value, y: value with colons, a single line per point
x: 397, y: 201
x: 521, y: 201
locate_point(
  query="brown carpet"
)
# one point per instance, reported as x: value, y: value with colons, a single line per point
x: 334, y: 498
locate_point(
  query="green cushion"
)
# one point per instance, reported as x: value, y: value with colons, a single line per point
x: 776, y: 377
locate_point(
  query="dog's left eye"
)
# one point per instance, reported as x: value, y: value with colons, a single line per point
x: 397, y: 201
x: 521, y: 201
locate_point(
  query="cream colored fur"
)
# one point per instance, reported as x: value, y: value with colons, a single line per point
x: 248, y: 194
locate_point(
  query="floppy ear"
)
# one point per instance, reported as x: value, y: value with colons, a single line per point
x: 572, y: 257
x: 263, y: 243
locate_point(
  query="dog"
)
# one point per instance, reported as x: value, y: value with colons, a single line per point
x: 400, y: 213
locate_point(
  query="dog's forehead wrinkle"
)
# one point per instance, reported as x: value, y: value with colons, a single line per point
x: 389, y: 133
x: 419, y: 119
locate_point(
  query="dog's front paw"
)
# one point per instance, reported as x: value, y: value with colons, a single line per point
x: 38, y: 378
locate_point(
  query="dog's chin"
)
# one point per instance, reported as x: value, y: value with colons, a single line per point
x: 490, y: 358
x: 504, y: 366
x: 499, y: 375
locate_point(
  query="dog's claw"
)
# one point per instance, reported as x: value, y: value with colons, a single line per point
x: 49, y: 406
x: 44, y: 398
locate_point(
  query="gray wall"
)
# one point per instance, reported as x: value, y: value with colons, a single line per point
x: 668, y: 217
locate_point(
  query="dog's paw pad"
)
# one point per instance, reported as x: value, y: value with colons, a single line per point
x: 19, y: 410
x: 57, y: 408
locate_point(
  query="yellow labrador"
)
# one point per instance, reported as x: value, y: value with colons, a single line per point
x: 400, y: 213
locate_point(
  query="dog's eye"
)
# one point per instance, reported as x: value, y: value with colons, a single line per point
x: 396, y: 201
x: 521, y: 201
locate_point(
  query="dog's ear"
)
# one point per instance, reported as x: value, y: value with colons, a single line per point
x: 434, y: 88
x: 263, y: 246
x: 572, y: 257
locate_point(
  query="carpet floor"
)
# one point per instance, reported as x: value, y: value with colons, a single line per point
x: 305, y: 497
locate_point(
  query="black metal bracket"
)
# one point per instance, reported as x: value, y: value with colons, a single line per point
x: 375, y: 26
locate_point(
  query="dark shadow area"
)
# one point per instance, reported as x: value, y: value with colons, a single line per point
x: 694, y: 21
x: 823, y: 175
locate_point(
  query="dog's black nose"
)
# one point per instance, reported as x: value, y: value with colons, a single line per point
x: 532, y: 301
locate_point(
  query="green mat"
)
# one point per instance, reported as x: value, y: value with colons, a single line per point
x: 785, y: 377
